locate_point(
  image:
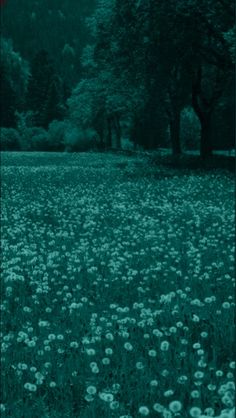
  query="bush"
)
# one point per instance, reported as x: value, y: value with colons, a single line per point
x: 127, y: 145
x: 34, y: 139
x: 79, y: 140
x: 10, y: 139
x: 56, y: 135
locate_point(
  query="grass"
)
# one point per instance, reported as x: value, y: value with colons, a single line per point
x: 117, y: 288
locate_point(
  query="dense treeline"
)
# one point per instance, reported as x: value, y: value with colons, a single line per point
x: 136, y: 73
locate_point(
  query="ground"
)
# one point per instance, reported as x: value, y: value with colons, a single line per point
x: 117, y: 288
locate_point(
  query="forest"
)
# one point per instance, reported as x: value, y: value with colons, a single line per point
x: 81, y: 75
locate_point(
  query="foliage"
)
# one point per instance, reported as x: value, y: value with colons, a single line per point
x: 14, y: 72
x: 16, y: 68
x: 79, y: 139
x: 10, y: 139
x: 44, y: 91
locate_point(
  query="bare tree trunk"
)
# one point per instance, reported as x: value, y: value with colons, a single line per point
x: 204, y: 107
x: 175, y: 134
x: 109, y: 133
x: 117, y: 129
x: 205, y: 142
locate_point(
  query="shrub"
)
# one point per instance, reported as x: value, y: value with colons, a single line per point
x: 79, y: 140
x: 34, y: 139
x: 56, y: 135
x: 10, y: 139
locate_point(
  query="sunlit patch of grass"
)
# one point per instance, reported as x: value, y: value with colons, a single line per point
x: 117, y: 289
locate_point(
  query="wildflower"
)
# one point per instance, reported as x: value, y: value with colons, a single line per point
x: 165, y: 373
x: 219, y: 373
x: 157, y: 333
x: 31, y: 344
x: 106, y: 361
x: 30, y: 387
x: 51, y: 337
x: 196, y: 346
x: 182, y: 379
x: 128, y: 346
x: 209, y: 412
x: 89, y: 398
x: 143, y: 410
x: 139, y: 365
x: 90, y: 352
x: 165, y: 346
x: 114, y: 405
x: 211, y: 387
x: 230, y: 385
x: 39, y: 376
x: 199, y: 375
x: 22, y: 366
x: 91, y: 390
x: 175, y: 406
x: 168, y: 393
x: 195, y: 318
x: 173, y: 330
x: 74, y: 344
x: 195, y: 412
x: 109, y: 336
x: 158, y: 407
x: 152, y: 353
x: 226, y: 305
x: 107, y: 397
x: 154, y: 383
x: 227, y: 400
x: 109, y: 351
x: 195, y: 394
x: 166, y: 413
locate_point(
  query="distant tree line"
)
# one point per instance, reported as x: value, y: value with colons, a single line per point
x: 154, y: 74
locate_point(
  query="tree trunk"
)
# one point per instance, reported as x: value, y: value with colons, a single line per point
x: 117, y: 129
x: 206, y: 143
x: 175, y: 134
x: 109, y: 133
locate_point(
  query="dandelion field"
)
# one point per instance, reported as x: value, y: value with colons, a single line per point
x: 117, y: 294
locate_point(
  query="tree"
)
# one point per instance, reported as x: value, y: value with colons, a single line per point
x: 210, y: 64
x: 14, y: 72
x: 44, y: 91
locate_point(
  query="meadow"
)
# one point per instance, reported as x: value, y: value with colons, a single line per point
x: 117, y: 294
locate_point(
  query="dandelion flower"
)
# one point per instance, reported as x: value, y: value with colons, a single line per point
x: 195, y: 412
x: 154, y: 383
x: 175, y: 406
x: 152, y: 353
x: 195, y: 394
x: 165, y: 346
x: 114, y: 405
x: 158, y: 407
x: 143, y: 410
x: 91, y: 390
x: 128, y: 346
